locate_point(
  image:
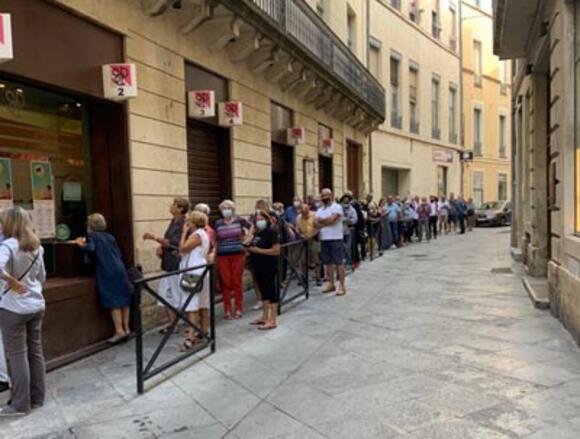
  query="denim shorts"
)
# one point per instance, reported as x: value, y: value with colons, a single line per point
x: 332, y: 252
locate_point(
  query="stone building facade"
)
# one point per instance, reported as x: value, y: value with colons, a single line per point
x: 486, y: 107
x: 542, y: 38
x: 416, y: 150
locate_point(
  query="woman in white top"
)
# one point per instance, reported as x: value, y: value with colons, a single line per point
x: 194, y: 249
x: 21, y: 311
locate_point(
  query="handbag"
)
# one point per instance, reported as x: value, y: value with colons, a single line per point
x: 23, y: 274
x: 190, y: 282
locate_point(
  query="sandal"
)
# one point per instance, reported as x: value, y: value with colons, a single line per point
x: 189, y: 344
x: 329, y: 290
x: 117, y: 338
x: 257, y: 322
x: 227, y: 316
x: 267, y: 326
x: 341, y: 292
x: 238, y: 315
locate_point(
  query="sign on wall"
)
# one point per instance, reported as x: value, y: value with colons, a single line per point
x: 466, y: 156
x: 43, y: 212
x: 119, y: 81
x: 6, y: 190
x: 442, y: 155
x: 327, y: 147
x: 201, y: 103
x: 230, y: 113
x: 6, y: 52
x: 296, y: 136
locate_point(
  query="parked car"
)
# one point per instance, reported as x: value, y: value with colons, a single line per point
x: 494, y: 213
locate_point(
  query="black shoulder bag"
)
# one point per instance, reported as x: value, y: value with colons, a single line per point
x: 23, y: 274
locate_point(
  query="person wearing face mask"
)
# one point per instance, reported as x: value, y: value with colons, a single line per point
x: 230, y: 232
x: 329, y: 220
x: 349, y: 222
x: 264, y: 249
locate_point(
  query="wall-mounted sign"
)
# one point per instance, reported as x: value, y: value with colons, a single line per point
x: 6, y: 194
x: 296, y: 136
x: 442, y: 155
x: 327, y: 147
x: 466, y: 156
x: 6, y: 53
x: 119, y: 81
x: 43, y: 212
x: 230, y: 113
x: 201, y: 103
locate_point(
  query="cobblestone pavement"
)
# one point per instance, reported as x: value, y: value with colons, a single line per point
x: 429, y: 343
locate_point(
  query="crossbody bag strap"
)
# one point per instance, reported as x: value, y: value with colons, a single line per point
x: 36, y: 256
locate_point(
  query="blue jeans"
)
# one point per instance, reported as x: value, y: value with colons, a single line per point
x: 394, y: 226
x: 348, y: 249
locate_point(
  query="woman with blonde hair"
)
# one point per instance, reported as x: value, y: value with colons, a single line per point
x: 194, y: 248
x: 110, y: 273
x: 21, y: 311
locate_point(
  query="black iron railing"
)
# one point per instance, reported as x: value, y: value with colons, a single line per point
x: 300, y: 24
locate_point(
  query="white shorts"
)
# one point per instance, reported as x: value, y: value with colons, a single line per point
x: 199, y: 300
x: 170, y: 290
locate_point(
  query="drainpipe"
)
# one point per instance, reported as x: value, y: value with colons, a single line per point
x: 461, y: 106
x: 368, y: 42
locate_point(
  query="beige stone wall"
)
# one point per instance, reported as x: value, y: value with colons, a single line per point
x: 157, y: 117
x: 488, y: 97
x: 399, y: 148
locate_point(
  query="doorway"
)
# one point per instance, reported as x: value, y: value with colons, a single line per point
x: 390, y: 182
x: 324, y: 172
x: 354, y: 167
x: 282, y: 173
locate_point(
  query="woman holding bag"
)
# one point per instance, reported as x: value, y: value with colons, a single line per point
x: 194, y: 249
x: 21, y: 311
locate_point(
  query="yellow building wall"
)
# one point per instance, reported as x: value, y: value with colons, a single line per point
x: 477, y: 26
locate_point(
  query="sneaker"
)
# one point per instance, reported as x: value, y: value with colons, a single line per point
x: 9, y: 412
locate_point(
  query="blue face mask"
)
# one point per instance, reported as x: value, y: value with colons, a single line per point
x: 227, y: 213
x: 261, y: 224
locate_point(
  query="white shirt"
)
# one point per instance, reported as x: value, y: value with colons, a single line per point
x: 333, y: 232
x: 443, y: 207
x: 16, y: 262
x: 434, y: 208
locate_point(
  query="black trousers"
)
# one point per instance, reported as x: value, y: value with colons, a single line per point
x: 433, y: 226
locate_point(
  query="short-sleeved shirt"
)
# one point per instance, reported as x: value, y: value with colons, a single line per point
x: 229, y: 236
x: 305, y: 225
x: 170, y: 257
x: 265, y: 239
x: 393, y: 211
x: 333, y: 232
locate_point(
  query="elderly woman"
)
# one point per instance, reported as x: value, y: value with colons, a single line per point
x: 110, y: 273
x: 264, y: 249
x: 230, y: 233
x: 167, y: 251
x: 194, y: 247
x: 204, y: 208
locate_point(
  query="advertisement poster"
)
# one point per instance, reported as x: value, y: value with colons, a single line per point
x: 43, y: 199
x: 6, y: 197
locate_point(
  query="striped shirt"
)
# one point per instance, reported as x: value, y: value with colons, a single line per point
x: 229, y: 236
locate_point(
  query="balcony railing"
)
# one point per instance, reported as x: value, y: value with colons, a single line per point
x: 436, y: 133
x: 477, y: 148
x: 396, y: 120
x: 453, y: 138
x: 414, y: 126
x: 302, y: 26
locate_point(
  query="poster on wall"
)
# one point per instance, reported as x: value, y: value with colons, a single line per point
x: 6, y: 194
x: 6, y: 53
x: 43, y: 212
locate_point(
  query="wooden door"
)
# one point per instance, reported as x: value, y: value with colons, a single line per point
x: 325, y: 174
x: 354, y: 167
x: 209, y: 168
x: 282, y: 173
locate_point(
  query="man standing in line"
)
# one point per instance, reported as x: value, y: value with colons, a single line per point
x: 461, y: 210
x: 394, y: 214
x: 329, y: 219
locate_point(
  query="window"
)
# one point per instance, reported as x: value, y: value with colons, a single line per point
x: 394, y: 70
x: 413, y: 111
x: 351, y: 29
x: 502, y: 147
x: 453, y: 37
x: 478, y: 188
x: 477, y: 144
x: 502, y: 187
x: 375, y: 59
x: 396, y: 4
x: 435, y: 28
x: 441, y: 180
x: 503, y: 77
x: 452, y: 115
x: 414, y: 10
x: 435, y: 129
x: 477, y: 62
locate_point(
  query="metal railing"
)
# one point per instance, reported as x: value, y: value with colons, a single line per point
x: 207, y: 340
x: 302, y: 25
x: 293, y: 272
x: 415, y: 126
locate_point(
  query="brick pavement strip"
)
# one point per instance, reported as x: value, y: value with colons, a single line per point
x: 422, y: 347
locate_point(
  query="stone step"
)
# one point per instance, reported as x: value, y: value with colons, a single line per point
x: 538, y: 291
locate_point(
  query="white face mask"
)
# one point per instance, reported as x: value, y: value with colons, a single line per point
x: 227, y: 213
x: 261, y: 224
x: 297, y: 204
